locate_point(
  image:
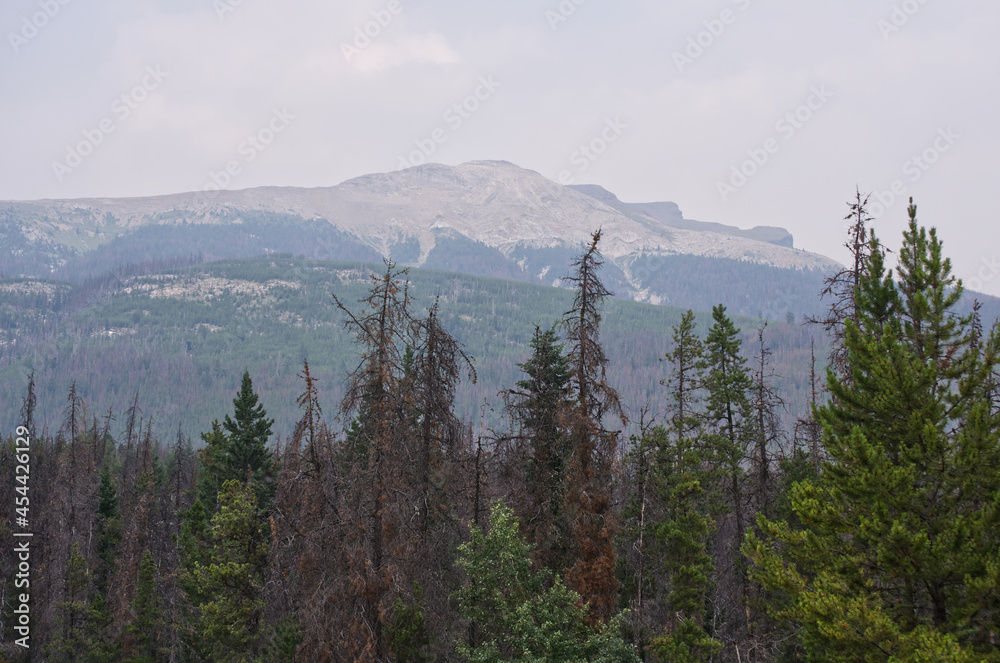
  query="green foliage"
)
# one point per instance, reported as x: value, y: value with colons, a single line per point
x: 108, y: 530
x: 728, y: 383
x: 246, y: 456
x: 145, y: 630
x: 407, y: 634
x: 210, y: 475
x: 225, y: 579
x: 680, y: 477
x: 896, y: 557
x: 515, y: 618
x: 186, y: 353
x: 73, y: 638
x: 537, y: 405
x: 284, y: 643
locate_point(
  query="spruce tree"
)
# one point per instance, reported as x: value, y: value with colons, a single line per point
x: 730, y: 430
x: 109, y: 534
x: 145, y: 630
x: 225, y: 579
x: 896, y: 555
x: 73, y: 637
x: 590, y: 475
x: 522, y: 613
x: 687, y: 361
x: 246, y: 456
x: 538, y: 404
x: 683, y: 480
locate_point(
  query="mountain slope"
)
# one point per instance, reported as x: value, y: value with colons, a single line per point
x: 181, y: 338
x: 485, y: 218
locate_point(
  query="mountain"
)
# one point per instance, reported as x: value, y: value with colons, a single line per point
x: 487, y: 218
x: 670, y: 214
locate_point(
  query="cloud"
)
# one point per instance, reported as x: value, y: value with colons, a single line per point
x: 380, y: 56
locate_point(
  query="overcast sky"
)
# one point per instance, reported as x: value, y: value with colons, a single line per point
x: 665, y: 97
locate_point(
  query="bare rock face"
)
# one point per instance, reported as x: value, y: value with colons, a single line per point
x: 529, y: 220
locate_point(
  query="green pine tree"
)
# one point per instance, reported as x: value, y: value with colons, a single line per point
x: 104, y: 647
x: 246, y: 456
x: 895, y: 558
x: 211, y: 472
x: 73, y: 637
x: 225, y: 580
x: 284, y: 642
x: 729, y: 428
x: 517, y: 618
x: 681, y: 483
x: 145, y: 630
x: 537, y: 404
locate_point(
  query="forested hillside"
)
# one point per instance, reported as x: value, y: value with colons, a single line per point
x: 638, y: 494
x: 181, y: 337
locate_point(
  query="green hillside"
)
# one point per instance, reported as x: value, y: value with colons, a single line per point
x: 181, y: 338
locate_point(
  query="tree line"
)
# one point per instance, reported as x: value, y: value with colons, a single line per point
x: 393, y: 530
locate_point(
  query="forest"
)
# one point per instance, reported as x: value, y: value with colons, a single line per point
x: 702, y: 528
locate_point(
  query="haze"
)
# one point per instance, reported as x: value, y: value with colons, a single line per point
x: 805, y: 100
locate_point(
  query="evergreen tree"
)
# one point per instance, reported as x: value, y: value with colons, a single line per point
x: 729, y: 425
x: 109, y: 534
x: 687, y: 360
x: 517, y: 617
x: 896, y: 558
x: 284, y: 643
x: 73, y: 638
x: 145, y: 630
x: 211, y: 472
x: 537, y: 405
x: 226, y: 584
x: 682, y: 481
x: 246, y: 456
x: 590, y: 473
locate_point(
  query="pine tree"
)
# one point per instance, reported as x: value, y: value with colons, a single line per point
x: 225, y: 579
x: 729, y: 425
x: 687, y: 360
x: 246, y: 456
x: 145, y: 630
x: 109, y: 534
x: 522, y: 614
x: 538, y: 405
x: 211, y: 472
x: 590, y: 471
x: 896, y: 558
x: 373, y: 456
x: 73, y: 638
x: 681, y: 484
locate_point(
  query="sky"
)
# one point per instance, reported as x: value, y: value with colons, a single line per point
x: 745, y: 112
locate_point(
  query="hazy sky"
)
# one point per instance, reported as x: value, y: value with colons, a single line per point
x: 666, y: 98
